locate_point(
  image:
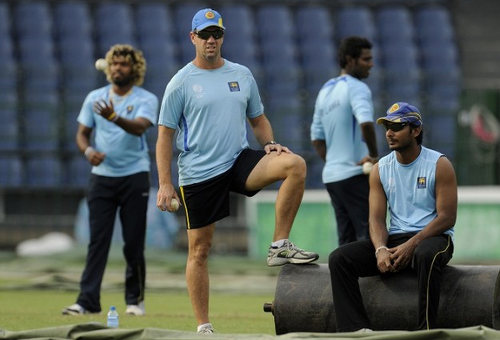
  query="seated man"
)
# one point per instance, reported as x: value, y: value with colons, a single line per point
x: 419, y: 186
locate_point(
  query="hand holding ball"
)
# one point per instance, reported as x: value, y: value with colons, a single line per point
x: 367, y: 167
x: 101, y: 64
x: 174, y: 204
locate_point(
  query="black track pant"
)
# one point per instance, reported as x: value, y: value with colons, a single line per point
x: 106, y: 194
x: 351, y: 261
x: 349, y: 198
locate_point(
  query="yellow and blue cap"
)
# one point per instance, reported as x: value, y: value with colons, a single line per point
x: 402, y: 112
x: 205, y: 18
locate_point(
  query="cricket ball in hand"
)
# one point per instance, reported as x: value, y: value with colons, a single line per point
x: 174, y: 204
x: 101, y: 64
x: 367, y: 167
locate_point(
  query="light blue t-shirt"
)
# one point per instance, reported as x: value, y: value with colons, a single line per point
x: 209, y: 109
x: 410, y: 191
x: 126, y: 154
x: 343, y: 103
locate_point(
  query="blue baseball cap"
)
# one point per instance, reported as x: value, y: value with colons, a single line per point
x: 402, y: 112
x: 205, y: 18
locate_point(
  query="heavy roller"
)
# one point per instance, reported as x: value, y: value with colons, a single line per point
x: 470, y: 296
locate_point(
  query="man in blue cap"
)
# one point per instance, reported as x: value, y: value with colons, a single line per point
x: 208, y: 103
x: 419, y: 187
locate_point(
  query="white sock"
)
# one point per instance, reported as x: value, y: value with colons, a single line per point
x: 205, y: 325
x: 279, y: 243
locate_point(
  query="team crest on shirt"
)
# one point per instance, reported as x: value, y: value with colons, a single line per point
x: 197, y: 90
x: 421, y: 183
x: 234, y: 86
x: 130, y: 108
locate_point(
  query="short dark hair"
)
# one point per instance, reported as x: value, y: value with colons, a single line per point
x: 352, y: 46
x: 420, y: 136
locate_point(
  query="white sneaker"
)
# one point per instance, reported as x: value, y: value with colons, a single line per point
x: 137, y: 310
x: 289, y: 253
x: 364, y: 330
x: 75, y: 309
x: 206, y: 329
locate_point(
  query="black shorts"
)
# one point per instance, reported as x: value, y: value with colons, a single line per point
x: 208, y: 201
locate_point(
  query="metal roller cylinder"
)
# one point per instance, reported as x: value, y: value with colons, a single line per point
x: 470, y: 296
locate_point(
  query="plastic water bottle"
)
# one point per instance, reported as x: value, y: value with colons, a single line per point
x: 113, y: 320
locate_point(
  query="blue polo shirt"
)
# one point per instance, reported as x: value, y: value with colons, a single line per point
x: 343, y: 103
x: 126, y: 154
x: 209, y: 109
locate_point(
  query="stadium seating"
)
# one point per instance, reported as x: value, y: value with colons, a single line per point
x: 238, y: 20
x: 157, y: 41
x: 439, y: 135
x: 375, y: 82
x: 161, y: 60
x: 8, y: 66
x: 314, y: 23
x: 433, y: 23
x: 318, y: 67
x: 6, y: 46
x: 32, y: 19
x: 183, y: 16
x: 288, y: 122
x: 113, y: 25
x: 153, y: 19
x: 40, y: 69
x: 41, y: 121
x: 48, y: 50
x: 4, y: 20
x: 355, y: 21
x: 279, y: 57
x: 240, y: 44
x: 11, y: 171
x: 314, y: 179
x: 76, y: 58
x: 44, y: 171
x: 274, y: 22
x: 394, y: 24
x: 9, y: 129
x: 77, y: 170
x: 439, y: 62
x: 72, y: 19
x: 75, y: 46
x: 402, y: 73
x: 315, y: 33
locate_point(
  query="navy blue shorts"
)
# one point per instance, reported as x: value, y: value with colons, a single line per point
x: 208, y: 201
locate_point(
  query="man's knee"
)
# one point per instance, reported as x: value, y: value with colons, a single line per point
x: 425, y: 256
x: 199, y: 247
x: 199, y: 253
x: 296, y: 165
x: 336, y: 258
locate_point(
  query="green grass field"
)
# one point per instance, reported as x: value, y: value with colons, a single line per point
x: 33, y: 292
x: 230, y: 313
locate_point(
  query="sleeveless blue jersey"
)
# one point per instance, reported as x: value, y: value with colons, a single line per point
x: 410, y: 191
